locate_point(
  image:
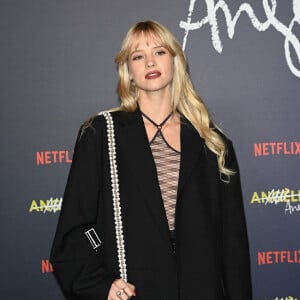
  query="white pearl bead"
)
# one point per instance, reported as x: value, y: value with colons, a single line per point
x: 115, y: 193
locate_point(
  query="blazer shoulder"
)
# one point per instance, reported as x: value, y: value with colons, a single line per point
x: 224, y: 137
x: 98, y: 120
x: 97, y: 123
x: 227, y: 141
x: 91, y: 126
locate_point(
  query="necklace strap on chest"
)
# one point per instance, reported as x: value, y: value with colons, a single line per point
x: 159, y: 126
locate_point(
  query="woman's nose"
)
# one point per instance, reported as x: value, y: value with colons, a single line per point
x: 150, y: 62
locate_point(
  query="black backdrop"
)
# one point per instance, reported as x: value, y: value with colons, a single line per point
x: 57, y: 69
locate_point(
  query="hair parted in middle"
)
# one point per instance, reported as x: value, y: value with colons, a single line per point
x: 184, y: 98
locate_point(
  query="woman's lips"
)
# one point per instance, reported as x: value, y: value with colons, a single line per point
x: 152, y: 75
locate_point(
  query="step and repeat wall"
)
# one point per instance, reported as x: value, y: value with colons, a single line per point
x: 57, y: 69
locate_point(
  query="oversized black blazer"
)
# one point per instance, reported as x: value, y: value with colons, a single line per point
x: 212, y: 258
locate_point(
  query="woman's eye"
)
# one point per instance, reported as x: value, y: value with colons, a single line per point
x: 161, y: 52
x: 137, y: 57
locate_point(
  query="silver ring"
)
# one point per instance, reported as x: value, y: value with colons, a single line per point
x: 119, y: 293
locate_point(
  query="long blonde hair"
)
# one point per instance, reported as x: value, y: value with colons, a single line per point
x: 184, y: 98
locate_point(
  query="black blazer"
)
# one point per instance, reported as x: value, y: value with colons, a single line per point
x: 212, y: 258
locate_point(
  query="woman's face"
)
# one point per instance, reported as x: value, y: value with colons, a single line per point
x: 150, y: 65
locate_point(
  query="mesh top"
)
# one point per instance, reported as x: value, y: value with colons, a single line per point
x: 167, y: 162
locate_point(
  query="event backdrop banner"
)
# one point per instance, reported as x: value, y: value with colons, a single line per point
x: 57, y: 70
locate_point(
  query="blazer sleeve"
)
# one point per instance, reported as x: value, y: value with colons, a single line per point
x: 236, y: 259
x: 79, y: 269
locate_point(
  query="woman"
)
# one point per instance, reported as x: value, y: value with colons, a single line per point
x: 184, y: 226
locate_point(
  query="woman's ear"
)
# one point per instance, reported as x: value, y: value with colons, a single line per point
x: 130, y: 75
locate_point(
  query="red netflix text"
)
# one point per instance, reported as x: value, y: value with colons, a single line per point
x: 46, y: 266
x: 278, y: 257
x: 276, y: 148
x: 53, y: 157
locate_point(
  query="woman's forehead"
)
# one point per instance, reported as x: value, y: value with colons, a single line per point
x: 143, y: 39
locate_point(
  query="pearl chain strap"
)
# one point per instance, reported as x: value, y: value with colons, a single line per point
x: 116, y: 194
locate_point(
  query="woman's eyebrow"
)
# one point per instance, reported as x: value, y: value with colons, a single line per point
x: 140, y: 50
x: 134, y: 51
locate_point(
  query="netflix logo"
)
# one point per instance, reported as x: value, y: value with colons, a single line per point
x: 276, y: 148
x: 53, y: 157
x: 278, y: 257
x: 46, y: 266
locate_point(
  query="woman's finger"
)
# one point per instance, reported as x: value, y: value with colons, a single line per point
x: 121, y: 290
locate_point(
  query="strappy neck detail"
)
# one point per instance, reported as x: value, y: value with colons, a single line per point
x: 159, y: 134
x: 159, y: 126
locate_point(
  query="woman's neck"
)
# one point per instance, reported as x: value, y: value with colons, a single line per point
x: 156, y: 106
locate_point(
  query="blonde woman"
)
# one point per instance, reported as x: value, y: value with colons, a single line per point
x: 183, y: 220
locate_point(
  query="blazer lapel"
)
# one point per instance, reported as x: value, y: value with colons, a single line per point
x: 192, y: 147
x: 133, y: 142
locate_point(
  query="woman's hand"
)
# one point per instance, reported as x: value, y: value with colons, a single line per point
x: 121, y: 290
